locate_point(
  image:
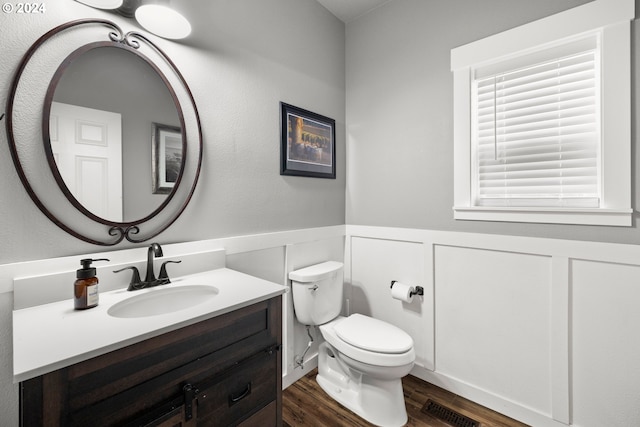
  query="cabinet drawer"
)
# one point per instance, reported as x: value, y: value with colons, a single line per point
x: 265, y: 417
x: 239, y: 393
x: 89, y: 382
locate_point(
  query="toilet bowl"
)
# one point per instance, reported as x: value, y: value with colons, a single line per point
x: 365, y: 381
x: 362, y: 361
x: 370, y: 341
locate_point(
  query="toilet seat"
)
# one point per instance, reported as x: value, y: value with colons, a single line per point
x: 373, y: 335
x: 370, y: 357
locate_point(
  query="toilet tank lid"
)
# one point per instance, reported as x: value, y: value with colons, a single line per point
x: 315, y: 272
x: 374, y: 335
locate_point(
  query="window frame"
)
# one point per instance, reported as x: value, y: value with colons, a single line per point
x: 610, y: 20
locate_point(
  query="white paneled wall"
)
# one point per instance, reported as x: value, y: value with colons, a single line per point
x: 295, y: 336
x: 274, y: 264
x: 542, y: 330
x: 605, y: 343
x: 493, y: 322
x: 374, y: 264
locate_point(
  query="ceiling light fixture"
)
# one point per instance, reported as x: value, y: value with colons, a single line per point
x: 102, y: 4
x: 154, y: 16
x: 163, y: 21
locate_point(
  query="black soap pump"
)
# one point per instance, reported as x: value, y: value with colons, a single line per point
x: 85, y: 292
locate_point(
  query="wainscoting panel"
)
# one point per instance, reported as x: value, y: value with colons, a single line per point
x: 374, y: 264
x: 493, y: 322
x: 296, y: 339
x: 605, y: 299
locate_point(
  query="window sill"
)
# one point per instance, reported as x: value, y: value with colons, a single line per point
x: 612, y: 217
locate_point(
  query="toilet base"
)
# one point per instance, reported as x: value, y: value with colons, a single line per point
x: 381, y: 402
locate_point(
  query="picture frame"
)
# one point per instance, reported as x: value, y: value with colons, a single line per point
x: 308, y: 143
x: 166, y: 155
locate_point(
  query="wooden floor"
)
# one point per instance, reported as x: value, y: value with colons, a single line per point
x: 306, y: 404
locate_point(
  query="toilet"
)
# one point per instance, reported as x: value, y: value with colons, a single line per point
x: 362, y: 360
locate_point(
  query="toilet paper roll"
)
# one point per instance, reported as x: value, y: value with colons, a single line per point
x: 402, y: 292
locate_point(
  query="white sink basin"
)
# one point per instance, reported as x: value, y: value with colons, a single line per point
x: 162, y: 300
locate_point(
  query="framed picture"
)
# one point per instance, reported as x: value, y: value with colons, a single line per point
x: 166, y: 154
x: 308, y: 143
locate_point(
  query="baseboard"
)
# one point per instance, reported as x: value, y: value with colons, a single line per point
x: 487, y: 399
x: 291, y: 377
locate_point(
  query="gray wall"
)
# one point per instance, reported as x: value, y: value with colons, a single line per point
x: 244, y: 58
x: 248, y: 57
x: 400, y: 121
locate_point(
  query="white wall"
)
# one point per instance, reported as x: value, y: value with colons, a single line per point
x: 274, y: 264
x: 400, y: 114
x: 542, y: 330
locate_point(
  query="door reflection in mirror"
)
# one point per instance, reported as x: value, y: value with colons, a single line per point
x: 87, y: 146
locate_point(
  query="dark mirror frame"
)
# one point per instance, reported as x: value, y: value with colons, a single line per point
x: 133, y: 231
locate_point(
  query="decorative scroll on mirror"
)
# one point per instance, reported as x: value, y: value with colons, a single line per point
x: 105, y: 136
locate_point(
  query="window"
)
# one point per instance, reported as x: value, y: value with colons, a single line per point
x: 535, y: 135
x: 542, y: 120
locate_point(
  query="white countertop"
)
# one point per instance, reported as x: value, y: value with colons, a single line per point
x: 53, y: 336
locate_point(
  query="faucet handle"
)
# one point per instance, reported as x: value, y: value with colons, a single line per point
x: 164, y: 277
x: 135, y: 277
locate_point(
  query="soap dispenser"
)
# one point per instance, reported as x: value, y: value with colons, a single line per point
x: 85, y: 293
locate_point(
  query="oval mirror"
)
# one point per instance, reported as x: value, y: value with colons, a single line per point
x: 114, y: 133
x: 82, y: 89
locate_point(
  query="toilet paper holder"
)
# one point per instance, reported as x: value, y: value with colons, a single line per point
x: 418, y: 290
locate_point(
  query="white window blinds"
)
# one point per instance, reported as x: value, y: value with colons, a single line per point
x: 536, y: 131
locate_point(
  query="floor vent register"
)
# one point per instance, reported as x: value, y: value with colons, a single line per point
x: 448, y: 415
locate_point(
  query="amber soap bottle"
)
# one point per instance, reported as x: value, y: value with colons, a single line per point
x: 85, y: 292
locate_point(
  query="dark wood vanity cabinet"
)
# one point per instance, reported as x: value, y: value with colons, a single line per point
x: 225, y: 371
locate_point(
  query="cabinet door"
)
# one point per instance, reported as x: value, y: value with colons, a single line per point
x: 240, y: 393
x: 266, y: 417
x: 174, y: 418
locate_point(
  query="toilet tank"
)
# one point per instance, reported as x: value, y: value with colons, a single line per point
x: 317, y: 292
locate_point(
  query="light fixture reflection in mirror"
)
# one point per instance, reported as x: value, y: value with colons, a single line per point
x: 105, y: 109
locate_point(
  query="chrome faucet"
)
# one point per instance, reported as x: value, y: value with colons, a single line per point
x: 155, y: 250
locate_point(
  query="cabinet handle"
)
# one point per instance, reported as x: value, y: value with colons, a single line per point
x: 237, y: 398
x: 189, y: 394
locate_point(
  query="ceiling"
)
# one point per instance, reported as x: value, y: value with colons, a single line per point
x: 348, y: 10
